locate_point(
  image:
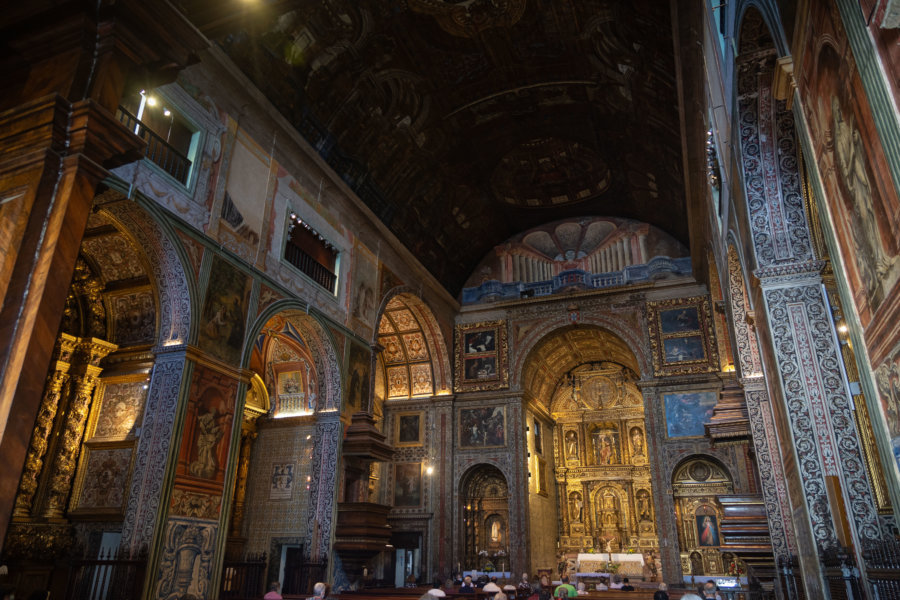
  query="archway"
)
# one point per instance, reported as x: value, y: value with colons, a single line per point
x: 592, y: 475
x: 484, y: 510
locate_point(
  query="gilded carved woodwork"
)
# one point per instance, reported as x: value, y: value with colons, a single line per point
x: 34, y: 460
x: 603, y: 472
x: 84, y: 378
x: 240, y: 488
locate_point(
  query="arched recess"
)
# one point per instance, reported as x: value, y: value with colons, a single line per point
x: 593, y: 476
x: 620, y: 338
x: 166, y: 259
x: 696, y: 481
x: 294, y: 327
x: 484, y: 517
x: 415, y: 359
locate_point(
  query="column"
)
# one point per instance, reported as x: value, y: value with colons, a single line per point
x: 85, y: 376
x: 323, y: 486
x: 157, y: 426
x: 645, y: 254
x: 626, y: 248
x: 620, y: 254
x: 34, y: 461
x: 240, y: 488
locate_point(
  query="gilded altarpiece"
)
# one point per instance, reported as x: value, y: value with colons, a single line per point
x: 602, y: 467
x: 695, y: 486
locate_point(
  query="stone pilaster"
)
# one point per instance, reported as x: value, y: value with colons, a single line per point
x: 84, y: 376
x: 34, y: 460
x: 320, y: 514
x: 158, y: 423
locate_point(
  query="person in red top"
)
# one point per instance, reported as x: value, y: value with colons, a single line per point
x: 274, y: 592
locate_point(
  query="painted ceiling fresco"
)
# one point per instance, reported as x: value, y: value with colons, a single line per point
x: 461, y: 123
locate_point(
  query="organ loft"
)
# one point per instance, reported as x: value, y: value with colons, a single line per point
x: 380, y: 294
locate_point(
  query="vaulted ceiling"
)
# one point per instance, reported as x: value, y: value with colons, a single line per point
x: 463, y: 122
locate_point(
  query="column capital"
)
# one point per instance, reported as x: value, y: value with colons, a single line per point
x: 791, y: 274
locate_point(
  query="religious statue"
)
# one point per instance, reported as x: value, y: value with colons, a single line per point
x: 495, y: 531
x: 637, y: 442
x: 643, y: 506
x: 608, y: 501
x: 577, y: 508
x: 572, y: 444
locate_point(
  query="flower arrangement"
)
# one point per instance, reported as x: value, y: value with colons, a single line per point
x: 613, y: 567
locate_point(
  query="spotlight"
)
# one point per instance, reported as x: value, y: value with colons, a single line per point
x: 151, y: 100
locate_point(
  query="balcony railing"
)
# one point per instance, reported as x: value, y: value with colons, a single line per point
x: 168, y: 158
x: 308, y: 265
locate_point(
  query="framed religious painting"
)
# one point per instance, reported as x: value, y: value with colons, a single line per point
x: 682, y: 339
x: 409, y: 429
x: 481, y: 356
x: 408, y: 485
x: 483, y: 427
x: 687, y: 412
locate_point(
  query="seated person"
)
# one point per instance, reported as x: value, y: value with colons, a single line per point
x: 616, y: 583
x: 436, y: 590
x: 568, y: 588
x: 491, y: 587
x: 580, y: 589
x: 467, y: 587
x: 509, y: 587
x: 710, y: 591
x: 602, y: 585
x: 627, y: 587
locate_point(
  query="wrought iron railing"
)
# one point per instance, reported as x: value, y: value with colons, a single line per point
x: 883, y: 570
x: 168, y: 158
x: 111, y: 576
x: 304, y: 577
x: 308, y: 265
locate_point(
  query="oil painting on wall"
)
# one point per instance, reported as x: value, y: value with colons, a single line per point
x: 409, y: 429
x: 408, y: 485
x: 364, y: 297
x: 224, y: 312
x: 686, y: 412
x: 482, y: 427
x: 359, y: 367
x: 681, y: 336
x: 481, y: 356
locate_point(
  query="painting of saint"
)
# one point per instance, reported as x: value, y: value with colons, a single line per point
x: 408, y: 429
x: 684, y: 349
x: 358, y: 372
x: 205, y: 441
x: 482, y: 427
x: 679, y: 320
x: 707, y: 530
x: 408, y: 485
x: 687, y: 412
x: 606, y: 447
x: 224, y: 312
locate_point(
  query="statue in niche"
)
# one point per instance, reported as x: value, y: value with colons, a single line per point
x: 637, y: 442
x: 571, y: 444
x: 577, y: 507
x: 608, y: 501
x: 495, y: 531
x: 644, y: 509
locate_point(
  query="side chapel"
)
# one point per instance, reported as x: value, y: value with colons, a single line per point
x: 377, y: 292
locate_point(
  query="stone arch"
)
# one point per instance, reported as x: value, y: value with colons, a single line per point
x: 176, y: 292
x: 767, y: 15
x: 438, y: 355
x: 631, y: 339
x: 328, y: 367
x: 484, y: 499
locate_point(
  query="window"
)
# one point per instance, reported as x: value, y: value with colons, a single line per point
x: 309, y: 251
x: 171, y: 139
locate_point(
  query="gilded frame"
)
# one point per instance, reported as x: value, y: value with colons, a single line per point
x: 682, y: 339
x: 482, y: 357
